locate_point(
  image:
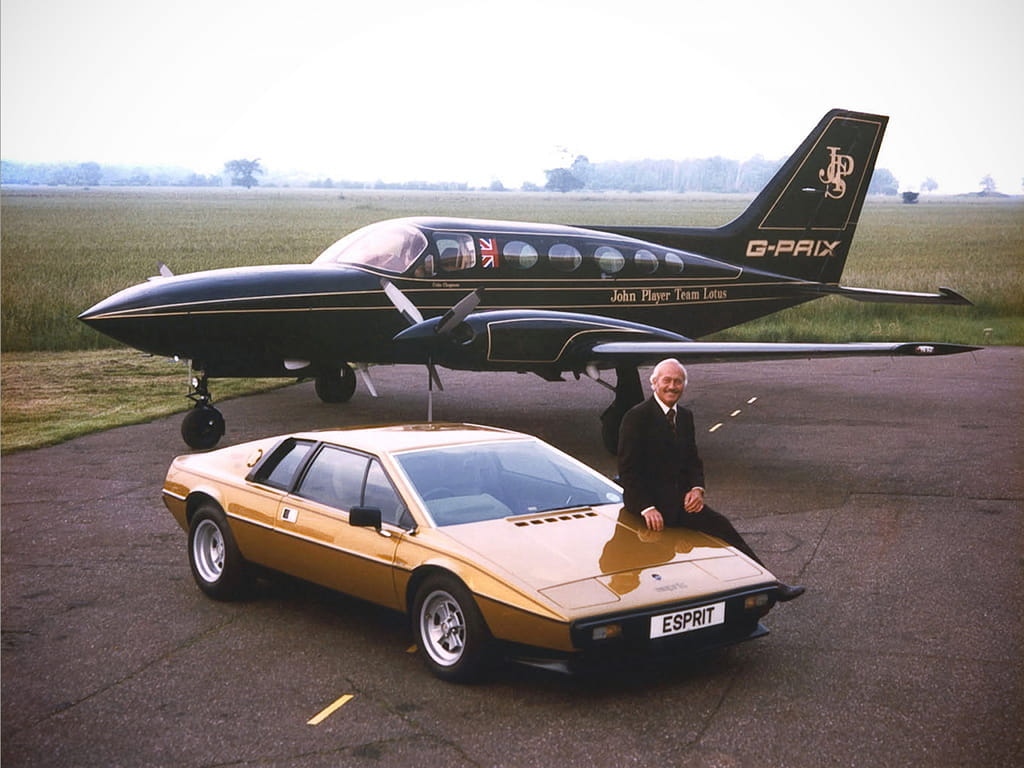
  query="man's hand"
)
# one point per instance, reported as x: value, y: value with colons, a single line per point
x: 653, y: 518
x: 693, y: 502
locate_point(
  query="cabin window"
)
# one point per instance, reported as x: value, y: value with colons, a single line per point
x: 564, y: 257
x: 519, y: 254
x: 426, y: 266
x: 610, y: 260
x: 645, y: 261
x: 456, y: 252
x: 673, y: 263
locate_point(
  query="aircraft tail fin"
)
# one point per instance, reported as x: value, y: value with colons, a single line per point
x: 803, y: 221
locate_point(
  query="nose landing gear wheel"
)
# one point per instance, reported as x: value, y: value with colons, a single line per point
x: 202, y: 427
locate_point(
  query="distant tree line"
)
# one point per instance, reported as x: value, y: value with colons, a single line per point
x: 712, y: 174
x: 430, y: 186
x: 94, y: 175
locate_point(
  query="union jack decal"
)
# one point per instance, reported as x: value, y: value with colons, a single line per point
x: 488, y: 252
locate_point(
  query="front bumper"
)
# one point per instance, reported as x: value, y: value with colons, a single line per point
x: 631, y: 638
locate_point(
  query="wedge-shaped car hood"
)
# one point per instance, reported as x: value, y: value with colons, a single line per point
x: 583, y: 558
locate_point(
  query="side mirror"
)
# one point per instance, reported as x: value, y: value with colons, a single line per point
x: 365, y: 517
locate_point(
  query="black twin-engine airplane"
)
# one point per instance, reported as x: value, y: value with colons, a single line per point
x: 479, y: 295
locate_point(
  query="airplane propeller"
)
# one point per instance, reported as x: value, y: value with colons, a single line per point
x: 402, y: 303
x: 454, y: 317
x: 449, y: 322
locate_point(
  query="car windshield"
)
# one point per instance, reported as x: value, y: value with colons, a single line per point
x: 470, y: 483
x: 389, y: 245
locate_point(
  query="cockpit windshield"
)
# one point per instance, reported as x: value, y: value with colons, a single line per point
x: 389, y: 245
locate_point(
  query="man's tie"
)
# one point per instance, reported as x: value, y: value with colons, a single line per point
x: 671, y: 415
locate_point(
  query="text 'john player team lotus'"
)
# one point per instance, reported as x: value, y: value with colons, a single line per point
x: 480, y: 295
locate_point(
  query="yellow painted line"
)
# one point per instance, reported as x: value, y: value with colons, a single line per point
x: 716, y: 427
x: 737, y: 412
x: 411, y: 649
x: 331, y: 709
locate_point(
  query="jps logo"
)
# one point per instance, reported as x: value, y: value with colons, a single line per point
x: 819, y: 248
x: 834, y: 176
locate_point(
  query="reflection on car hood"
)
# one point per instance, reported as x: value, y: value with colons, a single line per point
x: 595, y: 556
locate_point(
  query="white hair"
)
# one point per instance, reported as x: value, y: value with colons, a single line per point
x: 669, y: 361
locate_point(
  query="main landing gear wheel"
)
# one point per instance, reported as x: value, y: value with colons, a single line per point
x: 336, y: 386
x: 451, y: 635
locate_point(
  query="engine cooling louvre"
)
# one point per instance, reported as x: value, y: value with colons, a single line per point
x: 542, y: 519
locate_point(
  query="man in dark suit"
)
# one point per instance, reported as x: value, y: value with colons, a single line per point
x: 661, y: 471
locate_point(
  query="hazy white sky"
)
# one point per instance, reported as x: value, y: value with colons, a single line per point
x: 469, y: 90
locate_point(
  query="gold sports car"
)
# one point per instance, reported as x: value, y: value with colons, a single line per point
x: 494, y: 543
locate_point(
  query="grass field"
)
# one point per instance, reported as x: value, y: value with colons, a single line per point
x: 64, y: 249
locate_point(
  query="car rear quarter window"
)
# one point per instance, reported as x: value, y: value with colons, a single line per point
x: 281, y: 466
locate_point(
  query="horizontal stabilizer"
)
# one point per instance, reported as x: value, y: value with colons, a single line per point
x: 646, y: 353
x: 944, y: 296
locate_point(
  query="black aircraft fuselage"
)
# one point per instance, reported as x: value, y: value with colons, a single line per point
x: 250, y: 321
x: 500, y: 295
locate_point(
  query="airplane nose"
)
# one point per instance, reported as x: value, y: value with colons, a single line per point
x: 122, y: 317
x: 90, y: 316
x: 225, y: 312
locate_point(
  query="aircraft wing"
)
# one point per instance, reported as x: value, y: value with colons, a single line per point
x: 552, y: 341
x: 646, y: 353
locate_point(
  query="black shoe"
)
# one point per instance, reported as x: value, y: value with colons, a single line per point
x: 785, y: 593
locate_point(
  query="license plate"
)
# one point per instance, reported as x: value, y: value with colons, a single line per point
x: 688, y: 620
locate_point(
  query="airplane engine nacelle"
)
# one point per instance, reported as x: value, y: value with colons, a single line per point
x: 524, y: 340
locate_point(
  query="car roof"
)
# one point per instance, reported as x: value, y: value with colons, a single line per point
x: 395, y: 438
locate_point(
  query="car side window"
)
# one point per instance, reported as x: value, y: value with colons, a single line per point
x: 280, y: 467
x: 335, y: 478
x: 381, y: 494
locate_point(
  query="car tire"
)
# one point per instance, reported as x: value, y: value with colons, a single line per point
x: 450, y: 632
x: 217, y: 564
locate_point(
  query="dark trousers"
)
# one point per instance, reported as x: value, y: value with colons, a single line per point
x: 712, y: 523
